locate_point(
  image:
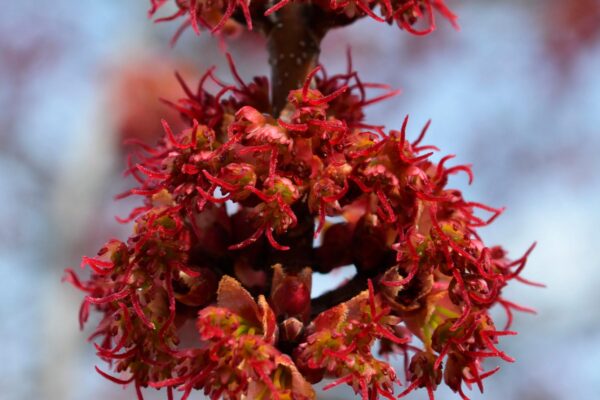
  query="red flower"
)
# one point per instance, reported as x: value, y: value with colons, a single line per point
x: 222, y: 15
x: 422, y: 272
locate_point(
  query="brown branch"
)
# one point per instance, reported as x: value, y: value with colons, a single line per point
x: 294, y: 35
x: 336, y: 296
x: 294, y: 46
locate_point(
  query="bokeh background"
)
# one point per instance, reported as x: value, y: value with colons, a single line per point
x: 516, y: 93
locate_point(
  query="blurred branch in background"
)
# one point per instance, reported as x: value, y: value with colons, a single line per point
x: 569, y: 29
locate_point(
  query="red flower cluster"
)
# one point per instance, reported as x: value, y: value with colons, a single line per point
x: 231, y: 206
x: 215, y: 14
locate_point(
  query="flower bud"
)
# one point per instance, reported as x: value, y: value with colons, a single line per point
x: 291, y: 329
x: 290, y: 294
x: 369, y: 244
x: 422, y: 368
x: 409, y: 296
x: 198, y: 290
x: 453, y: 373
x: 238, y: 174
x: 284, y: 187
x: 291, y: 297
x: 334, y: 251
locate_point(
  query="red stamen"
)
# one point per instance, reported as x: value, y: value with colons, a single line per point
x: 151, y: 173
x: 307, y: 81
x: 346, y: 379
x: 328, y: 98
x: 422, y: 134
x: 225, y: 185
x: 112, y: 378
x: 107, y: 299
x: 381, y: 98
x: 135, y: 301
x: 248, y: 241
x: 385, y: 202
x: 293, y: 127
x: 276, y: 246
x: 276, y: 7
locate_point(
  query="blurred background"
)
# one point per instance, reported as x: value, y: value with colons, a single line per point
x: 516, y: 93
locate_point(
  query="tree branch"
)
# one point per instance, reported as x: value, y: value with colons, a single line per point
x: 336, y: 296
x: 294, y: 46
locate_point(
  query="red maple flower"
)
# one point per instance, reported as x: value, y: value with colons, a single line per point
x: 220, y: 15
x: 265, y: 186
x: 430, y: 278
